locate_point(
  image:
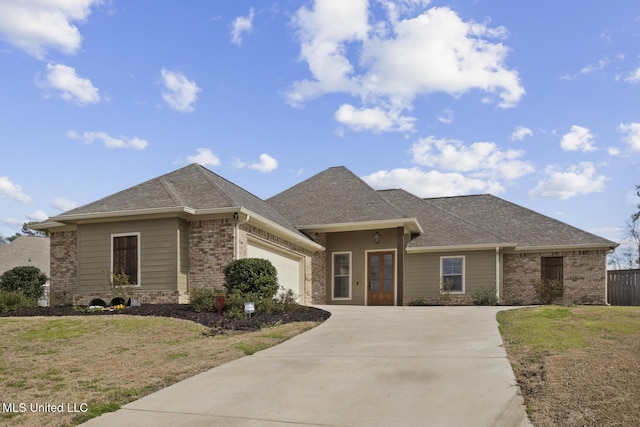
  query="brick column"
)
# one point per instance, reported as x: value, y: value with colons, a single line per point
x: 64, y: 267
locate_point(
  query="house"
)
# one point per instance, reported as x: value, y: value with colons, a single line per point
x: 333, y: 239
x: 27, y: 251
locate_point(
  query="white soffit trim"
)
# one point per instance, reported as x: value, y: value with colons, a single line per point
x: 410, y: 224
x: 459, y: 248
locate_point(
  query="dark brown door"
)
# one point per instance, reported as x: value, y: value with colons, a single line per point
x: 381, y: 267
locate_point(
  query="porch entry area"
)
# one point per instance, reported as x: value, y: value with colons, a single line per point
x: 381, y: 267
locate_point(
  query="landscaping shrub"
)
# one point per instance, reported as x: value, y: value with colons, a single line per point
x: 419, y: 302
x: 251, y: 275
x: 548, y: 290
x: 284, y: 302
x: 202, y: 300
x: 28, y: 280
x: 485, y: 297
x: 14, y: 300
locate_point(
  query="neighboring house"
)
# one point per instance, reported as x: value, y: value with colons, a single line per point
x: 332, y: 238
x: 27, y: 250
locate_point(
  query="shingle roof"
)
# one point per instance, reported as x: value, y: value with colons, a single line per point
x: 441, y: 228
x: 514, y: 223
x: 25, y: 250
x: 333, y: 196
x: 192, y: 186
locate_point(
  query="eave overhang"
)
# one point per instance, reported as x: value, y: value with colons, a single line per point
x: 184, y: 212
x: 410, y: 225
x: 459, y: 248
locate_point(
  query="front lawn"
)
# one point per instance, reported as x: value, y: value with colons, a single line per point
x: 87, y: 365
x: 576, y: 366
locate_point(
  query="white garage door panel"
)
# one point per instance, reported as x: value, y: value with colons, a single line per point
x: 288, y: 266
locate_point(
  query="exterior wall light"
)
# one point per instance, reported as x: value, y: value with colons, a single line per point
x: 376, y: 237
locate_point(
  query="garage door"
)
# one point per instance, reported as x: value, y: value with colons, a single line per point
x: 288, y: 265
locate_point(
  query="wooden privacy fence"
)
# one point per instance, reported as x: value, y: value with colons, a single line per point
x: 623, y: 287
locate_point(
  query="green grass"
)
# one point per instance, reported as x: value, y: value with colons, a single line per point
x: 559, y: 329
x: 250, y: 348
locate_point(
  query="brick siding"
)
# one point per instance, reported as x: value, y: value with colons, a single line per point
x: 584, y: 277
x: 211, y: 248
x: 64, y: 267
x: 319, y: 272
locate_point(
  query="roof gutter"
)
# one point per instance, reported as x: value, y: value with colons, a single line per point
x: 582, y: 247
x: 453, y: 248
x: 410, y: 224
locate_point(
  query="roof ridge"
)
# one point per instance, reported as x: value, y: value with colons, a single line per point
x: 171, y: 191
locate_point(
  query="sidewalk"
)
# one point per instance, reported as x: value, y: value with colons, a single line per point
x: 365, y: 366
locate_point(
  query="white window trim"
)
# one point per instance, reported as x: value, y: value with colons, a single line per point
x: 333, y: 276
x: 464, y: 267
x: 137, y: 234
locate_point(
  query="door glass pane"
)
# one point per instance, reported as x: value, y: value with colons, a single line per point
x: 388, y: 272
x: 374, y: 273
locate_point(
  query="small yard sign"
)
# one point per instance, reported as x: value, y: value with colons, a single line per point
x: 249, y: 308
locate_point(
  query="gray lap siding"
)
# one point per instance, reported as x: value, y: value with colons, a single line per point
x: 158, y: 254
x: 422, y: 276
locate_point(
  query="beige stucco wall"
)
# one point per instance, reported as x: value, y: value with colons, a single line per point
x: 422, y: 276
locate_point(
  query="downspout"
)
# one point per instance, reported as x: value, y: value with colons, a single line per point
x: 236, y: 231
x: 498, y: 272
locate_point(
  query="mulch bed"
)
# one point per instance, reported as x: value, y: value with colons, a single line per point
x: 184, y: 311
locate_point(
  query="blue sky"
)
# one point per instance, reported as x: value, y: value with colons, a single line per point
x: 535, y: 102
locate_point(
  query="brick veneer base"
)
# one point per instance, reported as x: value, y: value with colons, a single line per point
x: 148, y: 297
x: 584, y: 277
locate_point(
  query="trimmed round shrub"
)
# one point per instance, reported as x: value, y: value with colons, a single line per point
x: 251, y: 275
x: 28, y: 280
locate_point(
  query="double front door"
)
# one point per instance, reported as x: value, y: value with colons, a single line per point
x: 381, y: 272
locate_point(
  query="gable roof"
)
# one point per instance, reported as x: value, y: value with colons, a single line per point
x: 514, y: 223
x: 25, y: 250
x: 336, y: 199
x: 191, y: 190
x: 442, y: 230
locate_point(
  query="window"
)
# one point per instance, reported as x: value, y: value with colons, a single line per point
x: 452, y: 274
x: 341, y: 275
x: 125, y: 256
x: 551, y: 269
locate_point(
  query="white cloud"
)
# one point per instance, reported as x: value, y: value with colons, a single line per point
x: 399, y: 58
x: 631, y: 133
x: 204, y: 157
x: 265, y: 165
x: 72, y: 87
x: 577, y: 139
x: 63, y: 204
x: 481, y: 159
x: 12, y: 190
x: 613, y: 151
x: 36, y: 26
x: 179, y: 92
x: 37, y: 216
x: 430, y: 184
x: 520, y: 133
x: 109, y: 141
x: 446, y: 117
x: 603, y: 62
x: 375, y: 119
x: 241, y: 25
x: 578, y: 179
x: 633, y: 77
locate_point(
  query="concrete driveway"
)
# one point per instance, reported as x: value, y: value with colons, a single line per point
x: 365, y: 366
